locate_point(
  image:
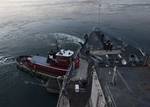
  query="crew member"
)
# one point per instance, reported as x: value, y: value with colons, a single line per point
x: 48, y: 59
x: 111, y: 46
x: 102, y: 38
x: 51, y: 58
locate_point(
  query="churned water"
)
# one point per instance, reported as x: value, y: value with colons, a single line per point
x: 32, y: 26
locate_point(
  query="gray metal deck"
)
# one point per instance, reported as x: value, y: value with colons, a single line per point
x: 69, y: 97
x: 132, y: 86
x: 128, y: 86
x: 104, y: 52
x: 81, y: 72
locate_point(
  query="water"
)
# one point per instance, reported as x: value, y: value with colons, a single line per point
x: 31, y: 27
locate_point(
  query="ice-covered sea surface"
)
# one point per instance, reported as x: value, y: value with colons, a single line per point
x: 31, y: 27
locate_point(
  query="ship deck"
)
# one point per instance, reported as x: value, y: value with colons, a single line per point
x: 132, y: 86
x: 129, y: 86
x: 81, y: 72
x: 77, y: 99
x: 104, y: 52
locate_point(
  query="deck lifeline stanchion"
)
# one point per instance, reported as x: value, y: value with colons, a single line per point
x: 66, y: 77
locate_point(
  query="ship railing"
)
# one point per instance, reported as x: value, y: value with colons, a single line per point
x: 63, y: 89
x: 110, y: 102
x: 147, y: 60
x: 97, y: 93
x: 103, y: 81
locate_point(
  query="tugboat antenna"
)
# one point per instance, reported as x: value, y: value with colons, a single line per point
x: 57, y: 44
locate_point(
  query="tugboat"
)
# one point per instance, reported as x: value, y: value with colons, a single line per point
x: 55, y: 65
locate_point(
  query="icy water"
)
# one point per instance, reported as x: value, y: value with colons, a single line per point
x: 31, y: 27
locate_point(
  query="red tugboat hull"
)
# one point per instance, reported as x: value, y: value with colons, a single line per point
x: 39, y: 65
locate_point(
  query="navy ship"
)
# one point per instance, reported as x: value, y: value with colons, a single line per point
x: 117, y: 75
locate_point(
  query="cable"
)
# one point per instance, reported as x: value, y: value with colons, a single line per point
x: 99, y: 12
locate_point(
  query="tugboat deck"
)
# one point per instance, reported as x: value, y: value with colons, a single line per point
x: 40, y: 60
